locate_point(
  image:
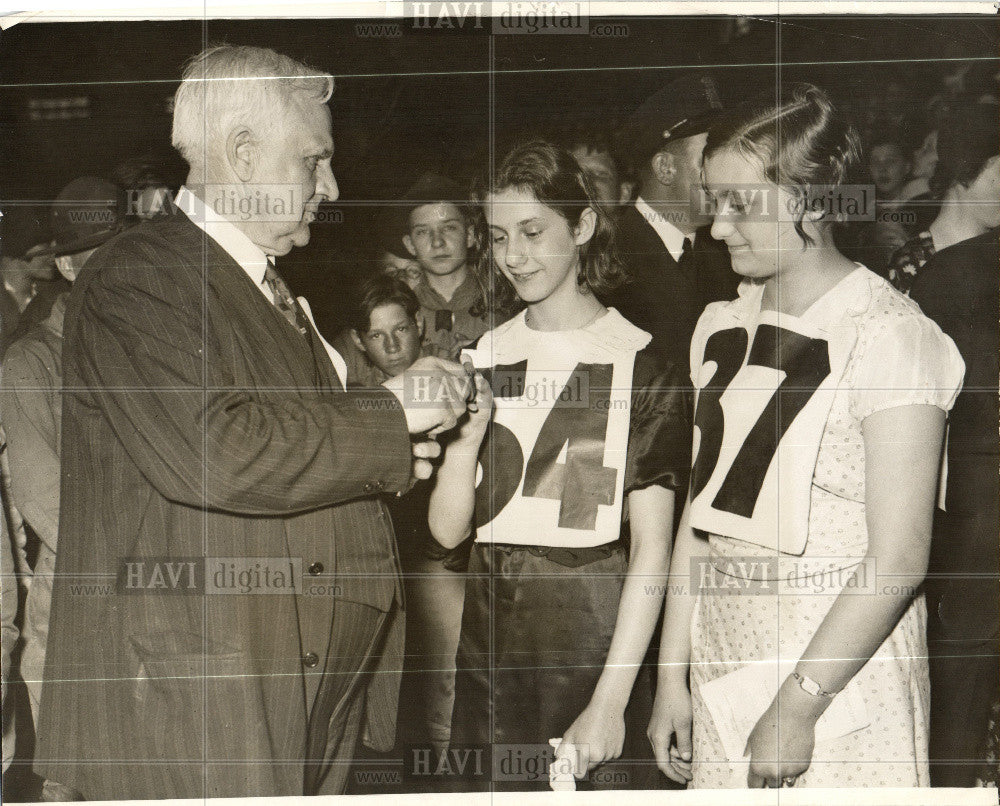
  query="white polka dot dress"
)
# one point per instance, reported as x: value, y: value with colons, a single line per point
x: 900, y: 358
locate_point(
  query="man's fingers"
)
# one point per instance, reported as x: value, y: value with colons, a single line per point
x: 422, y: 469
x: 426, y: 449
x: 448, y: 422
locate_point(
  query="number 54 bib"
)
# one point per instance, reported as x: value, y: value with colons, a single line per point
x: 765, y: 383
x: 553, y: 464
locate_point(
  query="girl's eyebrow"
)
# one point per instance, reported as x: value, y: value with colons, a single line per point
x: 524, y: 221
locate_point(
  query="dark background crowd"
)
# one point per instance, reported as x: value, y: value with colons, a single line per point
x: 81, y: 99
x: 418, y: 115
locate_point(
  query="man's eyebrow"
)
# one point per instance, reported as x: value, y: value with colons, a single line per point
x: 439, y: 221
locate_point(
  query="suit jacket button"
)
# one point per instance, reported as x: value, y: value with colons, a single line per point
x: 380, y: 485
x: 310, y: 659
x: 316, y: 569
x: 369, y: 487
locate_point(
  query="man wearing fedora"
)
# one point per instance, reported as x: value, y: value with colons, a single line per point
x: 88, y: 212
x: 676, y: 267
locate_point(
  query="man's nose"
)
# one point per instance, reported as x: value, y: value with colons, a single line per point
x: 437, y: 237
x: 326, y: 183
x: 392, y: 344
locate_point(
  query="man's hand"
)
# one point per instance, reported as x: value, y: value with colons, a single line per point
x: 423, y: 452
x: 433, y: 394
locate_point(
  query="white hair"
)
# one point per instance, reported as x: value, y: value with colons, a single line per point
x: 227, y: 86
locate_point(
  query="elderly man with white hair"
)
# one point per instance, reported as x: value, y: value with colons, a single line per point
x: 223, y: 618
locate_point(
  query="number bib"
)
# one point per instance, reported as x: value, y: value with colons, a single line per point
x: 552, y: 467
x: 765, y: 384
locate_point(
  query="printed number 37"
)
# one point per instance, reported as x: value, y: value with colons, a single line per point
x: 805, y: 362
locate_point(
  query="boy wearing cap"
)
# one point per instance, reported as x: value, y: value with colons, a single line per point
x: 31, y: 410
x: 439, y: 237
x: 676, y: 267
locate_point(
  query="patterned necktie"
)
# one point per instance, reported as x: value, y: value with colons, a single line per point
x: 285, y: 302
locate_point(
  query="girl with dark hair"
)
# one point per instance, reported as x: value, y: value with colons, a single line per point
x: 561, y: 604
x: 821, y: 394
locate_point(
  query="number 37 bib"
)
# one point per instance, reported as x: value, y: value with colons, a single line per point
x: 552, y: 467
x: 765, y: 385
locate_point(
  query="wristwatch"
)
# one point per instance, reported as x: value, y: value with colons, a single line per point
x: 810, y: 686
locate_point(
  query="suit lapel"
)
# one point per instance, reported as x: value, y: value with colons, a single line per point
x: 271, y: 342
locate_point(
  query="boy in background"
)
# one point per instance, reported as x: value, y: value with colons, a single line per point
x: 386, y: 329
x: 440, y: 237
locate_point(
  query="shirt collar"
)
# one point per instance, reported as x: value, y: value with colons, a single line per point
x: 240, y: 248
x: 672, y: 237
x: 463, y: 297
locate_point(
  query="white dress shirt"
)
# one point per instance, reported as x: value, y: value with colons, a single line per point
x: 252, y: 260
x: 672, y: 237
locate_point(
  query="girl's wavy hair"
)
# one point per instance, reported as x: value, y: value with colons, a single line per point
x: 803, y: 143
x: 553, y: 176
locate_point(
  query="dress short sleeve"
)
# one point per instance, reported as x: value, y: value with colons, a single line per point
x: 907, y: 361
x: 659, y: 443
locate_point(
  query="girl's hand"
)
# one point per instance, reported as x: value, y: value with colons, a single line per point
x: 596, y: 736
x: 777, y: 756
x: 669, y: 730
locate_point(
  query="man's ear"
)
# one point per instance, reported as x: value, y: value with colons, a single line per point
x: 664, y: 167
x: 420, y: 323
x: 470, y: 236
x: 357, y: 341
x: 584, y: 229
x: 241, y: 153
x: 408, y: 243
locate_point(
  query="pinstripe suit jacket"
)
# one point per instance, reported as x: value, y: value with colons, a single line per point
x: 198, y: 423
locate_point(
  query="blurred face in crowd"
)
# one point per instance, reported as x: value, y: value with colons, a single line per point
x: 69, y: 265
x: 439, y: 238
x: 402, y: 268
x: 37, y: 264
x: 534, y: 247
x: 600, y: 168
x: 40, y: 264
x: 745, y: 202
x: 925, y: 157
x: 889, y: 169
x: 290, y: 175
x: 392, y: 341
